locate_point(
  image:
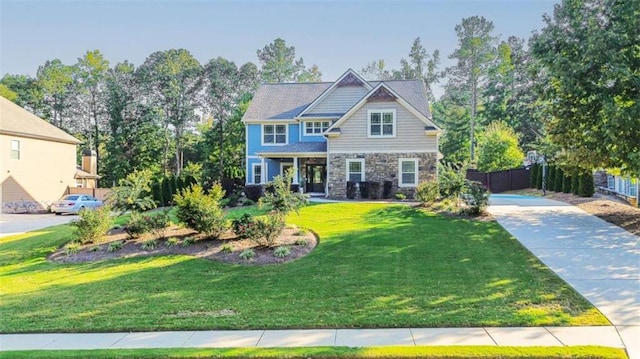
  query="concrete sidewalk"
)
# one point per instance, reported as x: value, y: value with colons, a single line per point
x: 599, y: 260
x: 532, y: 336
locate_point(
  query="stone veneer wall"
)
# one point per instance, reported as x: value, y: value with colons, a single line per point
x: 379, y: 167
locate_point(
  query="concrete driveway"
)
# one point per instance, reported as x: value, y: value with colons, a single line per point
x: 600, y: 260
x: 20, y: 223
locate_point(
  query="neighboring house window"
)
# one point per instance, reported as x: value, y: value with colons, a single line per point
x: 257, y: 174
x: 408, y: 176
x: 633, y: 187
x: 355, y: 170
x: 274, y: 134
x: 15, y: 149
x: 79, y: 183
x: 316, y: 127
x: 382, y: 123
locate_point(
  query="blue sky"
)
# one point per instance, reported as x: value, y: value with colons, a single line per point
x: 335, y: 35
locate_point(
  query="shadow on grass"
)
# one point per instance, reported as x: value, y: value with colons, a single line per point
x: 376, y: 266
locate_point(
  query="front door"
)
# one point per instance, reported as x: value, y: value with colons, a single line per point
x: 316, y: 176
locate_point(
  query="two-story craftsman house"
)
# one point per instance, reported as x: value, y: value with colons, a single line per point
x: 347, y: 130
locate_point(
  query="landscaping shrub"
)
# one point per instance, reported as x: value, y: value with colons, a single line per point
x: 156, y: 190
x: 247, y: 254
x: 200, y: 211
x: 72, y: 248
x: 400, y: 196
x: 387, y: 187
x: 301, y: 242
x: 374, y: 190
x: 226, y: 248
x: 351, y: 190
x: 265, y: 230
x: 586, y: 187
x: 533, y: 175
x: 132, y: 193
x: 557, y: 185
x: 149, y: 245
x: 179, y: 184
x: 451, y: 180
x: 566, y: 183
x: 167, y: 195
x: 281, y: 199
x: 574, y: 182
x: 364, y: 189
x: 539, y: 177
x: 253, y: 192
x: 137, y: 225
x: 476, y: 197
x: 171, y: 242
x: 428, y: 192
x: 190, y: 181
x: 92, y: 225
x: 282, y: 252
x: 551, y: 178
x: 115, y: 246
x: 140, y: 224
x: 242, y: 226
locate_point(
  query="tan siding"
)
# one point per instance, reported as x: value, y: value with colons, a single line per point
x: 41, y: 175
x: 340, y: 100
x: 410, y: 135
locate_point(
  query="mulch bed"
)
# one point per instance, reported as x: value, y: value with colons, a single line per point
x: 300, y: 243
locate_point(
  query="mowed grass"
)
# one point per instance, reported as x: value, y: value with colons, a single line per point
x: 376, y: 265
x: 450, y: 352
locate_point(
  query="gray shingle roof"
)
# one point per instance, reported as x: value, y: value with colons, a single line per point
x: 298, y: 147
x: 287, y: 100
x: 283, y: 101
x: 15, y: 120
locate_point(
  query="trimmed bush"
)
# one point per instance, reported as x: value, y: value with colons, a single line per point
x: 539, y: 177
x: 364, y: 189
x: 156, y: 190
x: 551, y: 179
x: 92, y: 225
x: 566, y: 183
x: 180, y: 185
x: 574, y: 182
x: 264, y: 230
x: 387, y: 187
x: 351, y: 190
x: 533, y: 175
x: 557, y: 185
x: 167, y: 195
x: 200, y: 211
x: 374, y: 190
x: 253, y: 192
x: 586, y: 187
x: 428, y: 192
x: 476, y: 197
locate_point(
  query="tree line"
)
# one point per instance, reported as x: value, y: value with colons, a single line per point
x: 570, y: 92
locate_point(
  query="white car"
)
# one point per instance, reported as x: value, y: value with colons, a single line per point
x: 74, y: 203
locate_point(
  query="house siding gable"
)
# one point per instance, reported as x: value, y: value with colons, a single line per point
x: 340, y: 100
x: 410, y: 135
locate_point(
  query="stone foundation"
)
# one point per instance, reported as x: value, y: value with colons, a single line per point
x: 379, y: 167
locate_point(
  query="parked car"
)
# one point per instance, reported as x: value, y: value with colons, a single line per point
x: 73, y: 203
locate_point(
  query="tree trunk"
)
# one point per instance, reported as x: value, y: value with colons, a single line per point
x: 474, y: 94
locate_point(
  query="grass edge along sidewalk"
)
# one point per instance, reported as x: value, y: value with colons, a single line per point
x: 449, y: 352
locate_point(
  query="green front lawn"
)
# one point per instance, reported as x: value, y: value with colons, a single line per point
x: 376, y: 265
x: 451, y: 352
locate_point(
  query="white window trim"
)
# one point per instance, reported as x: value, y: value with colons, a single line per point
x: 253, y: 173
x: 361, y: 161
x: 286, y: 134
x: 304, y: 128
x: 283, y: 165
x: 15, y: 150
x: 415, y: 175
x: 395, y: 127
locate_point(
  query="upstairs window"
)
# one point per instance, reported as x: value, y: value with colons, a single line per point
x: 15, y: 149
x: 382, y: 123
x: 274, y: 134
x: 315, y: 127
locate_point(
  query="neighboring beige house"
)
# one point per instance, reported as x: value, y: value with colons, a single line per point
x: 350, y: 130
x: 38, y: 160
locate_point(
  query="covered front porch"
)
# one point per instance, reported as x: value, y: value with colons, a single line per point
x: 308, y: 161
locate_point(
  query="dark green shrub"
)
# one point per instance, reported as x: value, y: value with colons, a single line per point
x: 200, y: 211
x: 167, y: 195
x: 476, y: 197
x: 190, y: 181
x: 180, y: 185
x: 253, y: 192
x: 533, y: 175
x: 92, y: 224
x: 115, y: 246
x: 539, y: 177
x: 281, y: 199
x: 364, y: 189
x: 174, y: 184
x: 282, y: 252
x: 586, y: 187
x: 387, y: 187
x: 242, y: 226
x: 351, y: 190
x: 574, y: 182
x: 557, y: 185
x: 374, y: 190
x: 428, y: 192
x: 566, y: 183
x: 137, y: 226
x: 266, y: 229
x: 156, y: 190
x: 155, y: 223
x: 451, y: 180
x: 551, y: 178
x: 247, y: 254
